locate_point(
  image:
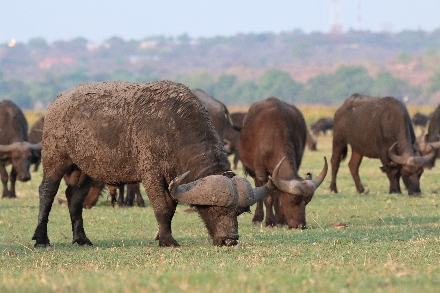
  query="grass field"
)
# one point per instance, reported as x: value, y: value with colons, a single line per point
x: 390, y: 243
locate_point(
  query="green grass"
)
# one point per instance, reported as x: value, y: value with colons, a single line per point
x: 391, y: 244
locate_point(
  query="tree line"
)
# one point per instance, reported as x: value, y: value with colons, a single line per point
x: 328, y: 89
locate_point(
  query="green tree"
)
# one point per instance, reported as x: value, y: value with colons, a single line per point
x: 223, y: 88
x: 278, y: 84
x: 434, y: 84
x: 334, y: 88
x: 202, y: 80
x: 245, y: 92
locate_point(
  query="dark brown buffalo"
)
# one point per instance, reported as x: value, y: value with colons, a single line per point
x: 322, y: 125
x: 272, y: 130
x: 35, y: 137
x: 15, y: 149
x: 377, y: 128
x: 231, y: 137
x: 420, y: 119
x: 164, y: 132
x: 217, y: 110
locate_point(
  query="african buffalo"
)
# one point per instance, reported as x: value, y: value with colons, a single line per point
x: 35, y: 137
x: 420, y: 119
x: 322, y: 125
x: 272, y: 130
x: 14, y: 147
x: 231, y: 137
x: 121, y: 132
x: 377, y: 128
x: 217, y: 110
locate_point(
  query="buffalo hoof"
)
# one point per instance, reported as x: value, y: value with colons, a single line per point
x: 41, y: 245
x: 415, y: 195
x: 83, y: 242
x: 168, y: 242
x: 230, y: 242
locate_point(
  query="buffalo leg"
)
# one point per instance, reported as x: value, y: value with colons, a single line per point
x: 47, y: 191
x: 12, y: 181
x: 259, y: 213
x: 164, y: 208
x: 269, y: 202
x: 394, y: 178
x: 279, y: 212
x: 121, y: 195
x: 353, y: 165
x: 335, y: 161
x: 133, y: 190
x: 5, y: 177
x: 75, y: 197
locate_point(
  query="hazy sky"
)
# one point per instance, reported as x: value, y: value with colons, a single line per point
x: 99, y: 20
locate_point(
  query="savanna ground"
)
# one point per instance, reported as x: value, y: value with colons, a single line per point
x: 373, y: 242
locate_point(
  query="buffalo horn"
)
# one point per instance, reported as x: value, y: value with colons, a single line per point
x: 420, y: 161
x: 434, y: 144
x: 7, y: 147
x: 35, y: 146
x: 247, y: 195
x: 295, y: 186
x: 18, y: 145
x: 395, y: 157
x: 416, y: 160
x: 318, y: 179
x: 291, y: 186
x: 213, y: 190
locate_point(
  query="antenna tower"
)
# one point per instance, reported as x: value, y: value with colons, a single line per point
x: 336, y: 27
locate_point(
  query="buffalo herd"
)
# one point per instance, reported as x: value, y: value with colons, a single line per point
x: 175, y: 141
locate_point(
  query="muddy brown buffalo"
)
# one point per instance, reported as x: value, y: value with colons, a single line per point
x: 156, y: 133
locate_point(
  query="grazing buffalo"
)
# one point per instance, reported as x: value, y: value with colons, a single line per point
x: 35, y: 137
x: 377, y: 128
x: 322, y: 125
x: 15, y: 149
x: 231, y: 137
x: 420, y: 119
x: 217, y: 110
x: 120, y: 132
x: 432, y: 138
x: 272, y: 130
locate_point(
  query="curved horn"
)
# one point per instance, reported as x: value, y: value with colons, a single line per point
x: 35, y: 146
x: 289, y: 186
x: 247, y: 195
x: 318, y: 180
x: 434, y: 144
x: 423, y: 160
x: 7, y: 147
x: 213, y: 190
x: 396, y: 158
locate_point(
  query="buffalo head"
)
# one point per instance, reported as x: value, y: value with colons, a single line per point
x: 219, y: 200
x: 411, y: 168
x: 20, y: 156
x: 296, y: 194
